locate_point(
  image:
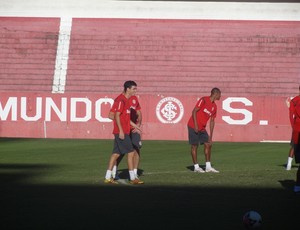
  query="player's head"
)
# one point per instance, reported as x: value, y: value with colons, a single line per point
x: 215, y: 93
x: 130, y: 87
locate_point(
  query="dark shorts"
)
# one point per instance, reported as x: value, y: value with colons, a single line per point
x: 197, y: 138
x: 136, y: 140
x: 122, y: 146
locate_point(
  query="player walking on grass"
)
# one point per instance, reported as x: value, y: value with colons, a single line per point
x: 121, y: 131
x: 204, y: 110
x: 135, y: 134
x: 294, y: 114
x: 291, y: 105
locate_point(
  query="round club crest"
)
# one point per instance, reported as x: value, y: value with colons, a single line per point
x: 169, y: 110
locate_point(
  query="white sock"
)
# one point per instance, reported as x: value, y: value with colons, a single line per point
x: 114, y: 171
x: 108, y: 174
x: 131, y: 175
x: 196, y: 166
x: 135, y: 171
x: 290, y: 160
x: 208, y: 165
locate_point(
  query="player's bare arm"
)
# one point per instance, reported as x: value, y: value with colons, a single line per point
x: 136, y: 127
x: 139, y: 119
x: 211, y: 126
x: 194, y: 113
x: 121, y: 133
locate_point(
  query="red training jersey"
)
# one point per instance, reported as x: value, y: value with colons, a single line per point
x: 122, y: 105
x: 294, y: 112
x: 207, y: 110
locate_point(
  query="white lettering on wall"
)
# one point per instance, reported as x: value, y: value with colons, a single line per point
x: 88, y: 109
x: 61, y: 113
x: 227, y: 107
x: 38, y: 110
x: 98, y: 109
x: 11, y: 106
x: 80, y: 109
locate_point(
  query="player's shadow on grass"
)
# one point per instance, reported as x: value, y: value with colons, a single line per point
x: 191, y: 167
x: 124, y: 174
x: 287, y: 184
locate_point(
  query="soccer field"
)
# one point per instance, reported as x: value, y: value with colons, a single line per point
x: 58, y: 184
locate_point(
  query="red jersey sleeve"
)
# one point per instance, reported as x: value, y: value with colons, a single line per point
x: 291, y: 112
x: 119, y: 105
x: 200, y: 103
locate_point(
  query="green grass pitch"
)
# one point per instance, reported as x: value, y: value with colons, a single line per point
x: 58, y: 184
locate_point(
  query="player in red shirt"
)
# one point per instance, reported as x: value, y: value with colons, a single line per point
x: 291, y: 104
x: 135, y: 133
x: 294, y: 115
x: 121, y: 131
x: 204, y: 110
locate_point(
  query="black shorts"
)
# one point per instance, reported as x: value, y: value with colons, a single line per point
x: 122, y: 146
x: 136, y: 140
x: 197, y: 138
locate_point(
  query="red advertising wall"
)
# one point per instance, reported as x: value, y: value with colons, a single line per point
x: 44, y: 115
x: 256, y: 65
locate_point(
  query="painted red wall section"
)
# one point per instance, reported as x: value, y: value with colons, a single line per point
x: 251, y: 118
x: 27, y: 53
x: 256, y: 64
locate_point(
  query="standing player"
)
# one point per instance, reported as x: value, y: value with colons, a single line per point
x: 294, y: 114
x: 204, y: 110
x: 121, y: 131
x: 291, y: 151
x: 135, y: 133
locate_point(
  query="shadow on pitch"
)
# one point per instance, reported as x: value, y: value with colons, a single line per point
x: 287, y: 184
x: 101, y: 206
x: 124, y: 174
x: 21, y: 173
x: 191, y: 167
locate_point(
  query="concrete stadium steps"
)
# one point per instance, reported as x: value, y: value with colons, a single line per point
x: 27, y: 53
x: 20, y: 84
x: 184, y: 56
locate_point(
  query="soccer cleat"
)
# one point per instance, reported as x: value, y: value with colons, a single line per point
x: 288, y: 167
x: 211, y: 170
x: 110, y: 181
x: 136, y: 181
x: 199, y: 170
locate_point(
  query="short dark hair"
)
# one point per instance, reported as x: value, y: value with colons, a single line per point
x: 129, y: 84
x: 215, y: 90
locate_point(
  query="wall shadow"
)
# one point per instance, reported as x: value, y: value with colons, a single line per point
x: 28, y: 206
